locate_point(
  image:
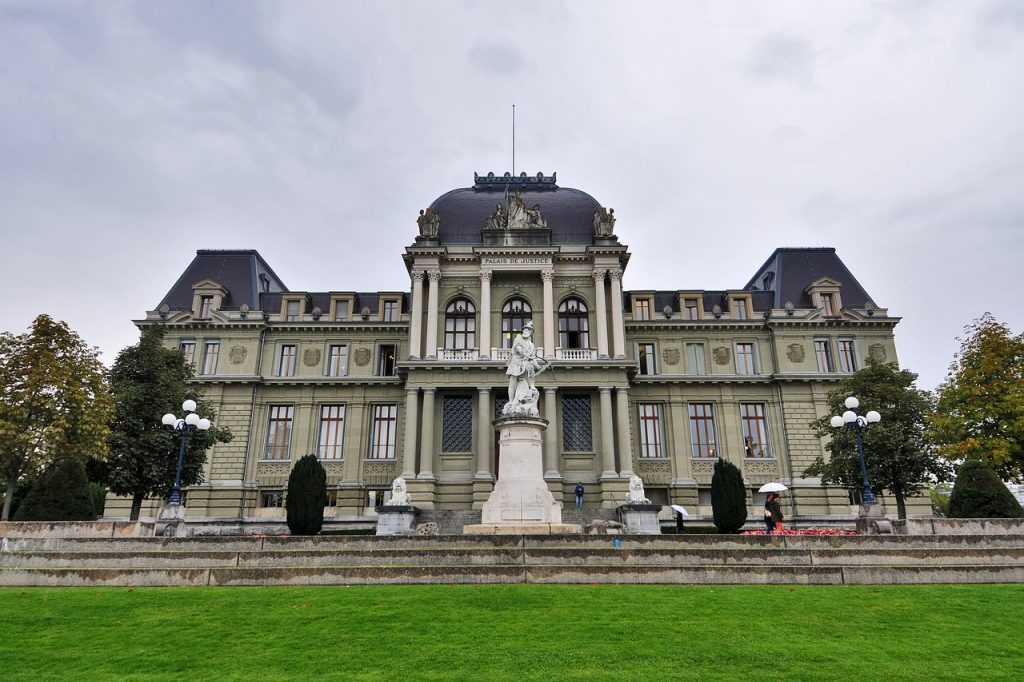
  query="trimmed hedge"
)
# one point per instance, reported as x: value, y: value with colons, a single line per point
x: 980, y: 494
x: 307, y: 496
x: 61, y: 494
x: 728, y: 497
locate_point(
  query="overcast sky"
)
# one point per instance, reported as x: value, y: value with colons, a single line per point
x: 132, y: 134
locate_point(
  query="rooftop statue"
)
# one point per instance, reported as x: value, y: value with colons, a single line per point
x: 604, y: 222
x: 635, y: 494
x: 428, y: 220
x: 523, y: 367
x: 497, y: 219
x: 534, y: 218
x: 517, y: 218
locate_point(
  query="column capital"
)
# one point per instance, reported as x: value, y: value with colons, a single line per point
x: 602, y: 389
x: 486, y: 275
x: 417, y: 275
x: 434, y: 275
x: 615, y: 273
x: 547, y: 275
x: 411, y: 391
x: 599, y: 274
x: 429, y: 389
x: 484, y: 390
x: 550, y: 390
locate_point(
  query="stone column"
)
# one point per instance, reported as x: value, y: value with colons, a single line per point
x: 618, y: 329
x: 601, y: 314
x: 607, y: 434
x: 485, y: 315
x: 434, y: 276
x: 549, y: 312
x: 484, y: 433
x: 622, y: 424
x: 412, y: 410
x: 551, y: 435
x: 416, y: 314
x: 427, y: 435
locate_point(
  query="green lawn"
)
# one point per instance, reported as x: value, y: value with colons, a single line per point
x: 518, y: 632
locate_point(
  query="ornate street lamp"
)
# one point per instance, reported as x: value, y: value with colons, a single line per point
x: 191, y: 423
x: 870, y: 518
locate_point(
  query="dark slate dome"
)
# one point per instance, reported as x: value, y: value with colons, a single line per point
x: 463, y: 212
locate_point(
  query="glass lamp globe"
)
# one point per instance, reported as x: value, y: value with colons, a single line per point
x: 203, y: 424
x: 168, y: 419
x: 851, y: 403
x: 836, y: 422
x: 873, y: 417
x: 189, y: 406
x: 849, y: 416
x: 192, y: 419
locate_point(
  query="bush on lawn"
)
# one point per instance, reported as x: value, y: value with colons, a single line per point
x: 307, y: 496
x: 728, y: 497
x: 60, y: 494
x: 979, y: 494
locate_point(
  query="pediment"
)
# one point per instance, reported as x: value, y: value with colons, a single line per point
x: 824, y: 283
x: 208, y: 286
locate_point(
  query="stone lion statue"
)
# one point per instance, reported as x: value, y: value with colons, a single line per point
x: 399, y: 494
x: 635, y: 495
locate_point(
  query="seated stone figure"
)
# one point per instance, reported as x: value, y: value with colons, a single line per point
x: 399, y: 495
x: 635, y: 495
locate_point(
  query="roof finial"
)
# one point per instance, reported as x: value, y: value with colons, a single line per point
x: 513, y: 140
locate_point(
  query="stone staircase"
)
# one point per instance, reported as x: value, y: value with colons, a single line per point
x: 349, y: 560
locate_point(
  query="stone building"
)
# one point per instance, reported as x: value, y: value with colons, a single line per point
x: 407, y: 382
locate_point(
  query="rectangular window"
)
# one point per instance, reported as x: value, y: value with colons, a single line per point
x: 385, y: 427
x: 391, y: 311
x: 739, y: 308
x: 642, y: 309
x: 745, y: 363
x: 691, y: 311
x: 272, y: 498
x: 340, y: 311
x: 755, y: 433
x: 188, y: 351
x: 332, y: 499
x: 205, y: 306
x: 695, y: 358
x: 279, y: 431
x: 291, y: 311
x: 286, y: 361
x: 847, y: 358
x: 337, y: 361
x: 823, y: 354
x: 702, y: 429
x: 457, y: 424
x: 332, y: 431
x: 210, y: 352
x: 650, y: 430
x: 577, y: 433
x: 386, y: 360
x: 828, y: 304
x: 648, y: 365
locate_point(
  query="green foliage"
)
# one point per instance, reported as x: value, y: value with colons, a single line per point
x: 54, y: 401
x: 20, y: 491
x: 728, y: 497
x: 938, y: 494
x: 307, y: 496
x: 980, y: 412
x: 979, y: 494
x: 896, y: 452
x: 60, y: 494
x: 98, y: 495
x: 148, y: 381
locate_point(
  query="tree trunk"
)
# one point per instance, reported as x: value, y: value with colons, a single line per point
x: 136, y: 506
x: 901, y: 504
x: 12, y: 483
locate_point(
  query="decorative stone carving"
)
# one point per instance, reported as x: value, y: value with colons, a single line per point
x: 796, y: 352
x: 497, y: 220
x: 604, y: 221
x: 400, y: 496
x: 429, y: 220
x: 517, y: 218
x: 379, y: 473
x: 361, y: 356
x: 635, y: 494
x: 721, y: 354
x: 704, y: 467
x: 654, y: 472
x: 877, y: 352
x: 237, y: 354
x: 670, y: 356
x: 761, y: 468
x: 273, y: 469
x: 311, y: 357
x: 523, y: 367
x: 534, y: 218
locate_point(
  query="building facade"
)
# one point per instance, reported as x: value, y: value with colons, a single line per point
x: 407, y: 382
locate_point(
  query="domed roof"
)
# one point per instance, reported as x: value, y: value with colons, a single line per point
x: 464, y: 212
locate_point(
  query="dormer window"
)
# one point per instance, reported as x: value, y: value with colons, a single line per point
x: 825, y: 295
x: 292, y: 311
x: 828, y: 304
x: 207, y: 297
x: 739, y: 309
x: 205, y: 307
x: 642, y: 309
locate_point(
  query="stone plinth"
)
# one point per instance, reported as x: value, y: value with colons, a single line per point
x: 521, y: 502
x: 871, y: 520
x: 640, y: 519
x: 399, y: 519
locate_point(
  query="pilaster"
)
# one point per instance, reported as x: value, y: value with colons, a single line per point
x: 548, y: 276
x: 607, y: 434
x: 435, y: 277
x: 618, y: 328
x: 625, y: 446
x: 601, y: 313
x: 485, y: 315
x: 427, y: 435
x: 416, y: 315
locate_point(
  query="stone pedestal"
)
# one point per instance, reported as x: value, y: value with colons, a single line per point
x: 397, y: 520
x: 871, y: 520
x: 171, y: 522
x: 640, y: 519
x: 521, y: 501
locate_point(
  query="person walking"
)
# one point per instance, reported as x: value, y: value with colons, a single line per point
x: 679, y: 524
x: 772, y: 505
x: 579, y: 494
x: 769, y: 523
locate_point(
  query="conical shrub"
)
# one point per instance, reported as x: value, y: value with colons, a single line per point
x: 979, y: 494
x: 60, y: 494
x: 307, y: 495
x: 728, y: 497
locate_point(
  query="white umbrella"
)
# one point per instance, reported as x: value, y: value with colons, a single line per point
x: 772, y: 488
x: 680, y: 509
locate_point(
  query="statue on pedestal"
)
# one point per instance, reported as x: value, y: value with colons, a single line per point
x: 534, y: 218
x: 635, y: 495
x: 428, y: 220
x: 399, y: 494
x: 604, y: 221
x: 523, y: 367
x: 496, y: 221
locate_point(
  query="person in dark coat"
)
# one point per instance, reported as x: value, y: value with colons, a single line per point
x: 769, y: 523
x: 579, y: 495
x: 679, y: 523
x: 775, y: 509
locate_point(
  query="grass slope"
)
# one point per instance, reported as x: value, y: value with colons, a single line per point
x: 516, y: 632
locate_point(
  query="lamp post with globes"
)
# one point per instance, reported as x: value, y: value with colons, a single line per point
x: 190, y: 423
x: 871, y: 517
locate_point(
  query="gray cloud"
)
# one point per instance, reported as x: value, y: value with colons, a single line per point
x: 782, y: 57
x: 501, y: 59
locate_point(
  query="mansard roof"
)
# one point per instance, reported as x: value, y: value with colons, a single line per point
x: 242, y: 272
x: 464, y: 212
x: 792, y: 270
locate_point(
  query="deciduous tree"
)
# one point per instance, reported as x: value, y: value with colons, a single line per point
x: 980, y: 411
x: 896, y: 453
x: 54, y: 401
x: 147, y: 381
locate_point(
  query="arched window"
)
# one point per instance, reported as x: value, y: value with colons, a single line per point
x: 573, y: 327
x: 460, y: 325
x: 514, y: 314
